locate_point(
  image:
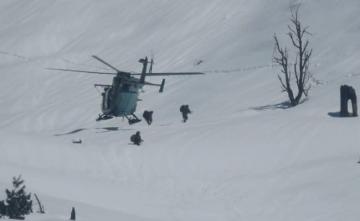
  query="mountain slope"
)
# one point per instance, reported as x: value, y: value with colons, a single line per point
x: 240, y: 156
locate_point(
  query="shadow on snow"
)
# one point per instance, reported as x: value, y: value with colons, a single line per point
x: 103, y: 130
x: 282, y: 105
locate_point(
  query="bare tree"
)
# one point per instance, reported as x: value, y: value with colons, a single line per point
x: 300, y: 68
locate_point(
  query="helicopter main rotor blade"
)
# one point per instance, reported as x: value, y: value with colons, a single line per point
x: 170, y: 73
x: 80, y: 71
x: 109, y: 65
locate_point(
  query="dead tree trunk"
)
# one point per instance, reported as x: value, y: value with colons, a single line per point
x: 348, y: 93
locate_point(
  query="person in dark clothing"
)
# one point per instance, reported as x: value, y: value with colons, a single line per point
x: 2, y: 208
x: 147, y: 115
x: 136, y: 138
x: 185, y: 111
x: 73, y: 214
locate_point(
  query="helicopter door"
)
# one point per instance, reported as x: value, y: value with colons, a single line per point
x: 106, y: 101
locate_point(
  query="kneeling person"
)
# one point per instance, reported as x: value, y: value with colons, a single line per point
x: 136, y: 138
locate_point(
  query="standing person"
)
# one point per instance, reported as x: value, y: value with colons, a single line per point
x: 73, y: 214
x: 136, y: 138
x: 185, y: 111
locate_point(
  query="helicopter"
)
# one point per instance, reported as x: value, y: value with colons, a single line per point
x: 120, y: 98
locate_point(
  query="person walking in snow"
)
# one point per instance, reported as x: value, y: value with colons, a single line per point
x: 147, y: 115
x: 136, y: 138
x: 185, y: 111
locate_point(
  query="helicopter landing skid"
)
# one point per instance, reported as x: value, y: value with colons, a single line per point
x: 103, y: 117
x: 132, y: 120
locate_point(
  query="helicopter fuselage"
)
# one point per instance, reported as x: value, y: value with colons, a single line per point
x: 120, y: 99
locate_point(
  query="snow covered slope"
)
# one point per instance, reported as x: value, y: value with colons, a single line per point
x: 240, y: 157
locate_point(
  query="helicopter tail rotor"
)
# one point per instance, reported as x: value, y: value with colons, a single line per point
x: 151, y: 65
x: 145, y: 62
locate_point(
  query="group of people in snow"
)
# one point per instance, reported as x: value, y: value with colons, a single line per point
x: 136, y: 138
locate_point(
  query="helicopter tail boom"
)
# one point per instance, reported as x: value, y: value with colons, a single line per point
x: 161, y: 85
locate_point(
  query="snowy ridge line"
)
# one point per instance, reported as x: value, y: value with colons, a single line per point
x: 14, y: 55
x: 241, y: 69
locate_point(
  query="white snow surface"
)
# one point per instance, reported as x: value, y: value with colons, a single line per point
x: 239, y: 157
